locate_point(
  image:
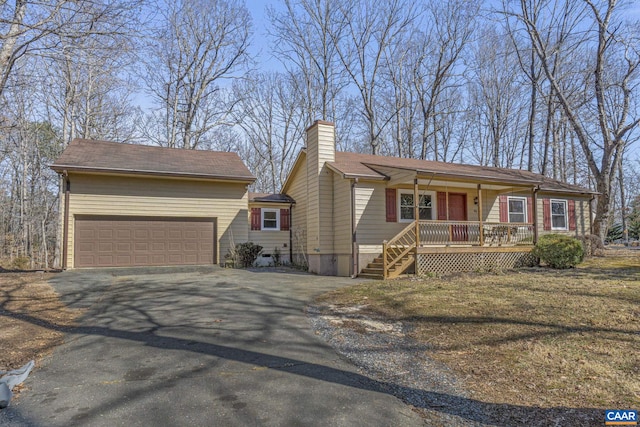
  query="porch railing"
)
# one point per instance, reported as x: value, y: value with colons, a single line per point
x: 394, y: 250
x: 475, y: 233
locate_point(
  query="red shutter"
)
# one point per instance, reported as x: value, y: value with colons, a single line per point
x: 504, y: 208
x: 530, y: 209
x: 391, y: 204
x: 442, y: 206
x: 546, y: 213
x: 572, y: 214
x: 255, y: 219
x: 284, y: 219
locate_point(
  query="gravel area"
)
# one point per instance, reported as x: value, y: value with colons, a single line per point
x: 383, y: 351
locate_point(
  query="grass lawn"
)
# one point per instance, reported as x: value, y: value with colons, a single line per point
x: 533, y: 337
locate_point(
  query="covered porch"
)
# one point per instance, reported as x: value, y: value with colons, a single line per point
x: 457, y: 221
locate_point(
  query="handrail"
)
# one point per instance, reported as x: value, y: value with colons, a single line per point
x: 400, y: 245
x: 475, y: 233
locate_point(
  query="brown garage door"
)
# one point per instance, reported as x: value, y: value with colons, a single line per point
x: 118, y: 241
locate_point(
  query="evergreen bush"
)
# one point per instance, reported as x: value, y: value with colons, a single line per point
x: 559, y: 251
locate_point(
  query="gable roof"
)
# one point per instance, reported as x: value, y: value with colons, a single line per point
x: 356, y: 165
x: 114, y: 157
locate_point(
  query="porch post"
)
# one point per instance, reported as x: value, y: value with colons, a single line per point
x: 416, y: 212
x: 534, y: 200
x: 480, y: 214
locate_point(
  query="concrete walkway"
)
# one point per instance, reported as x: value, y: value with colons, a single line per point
x: 199, y: 346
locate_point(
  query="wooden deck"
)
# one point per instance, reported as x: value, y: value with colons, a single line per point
x: 449, y: 246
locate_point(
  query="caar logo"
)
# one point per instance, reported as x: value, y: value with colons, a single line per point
x: 619, y: 417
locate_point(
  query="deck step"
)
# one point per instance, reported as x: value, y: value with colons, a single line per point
x: 375, y: 269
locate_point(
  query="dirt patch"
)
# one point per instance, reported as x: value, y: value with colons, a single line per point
x: 32, y: 318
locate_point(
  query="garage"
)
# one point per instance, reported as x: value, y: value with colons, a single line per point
x: 139, y: 205
x: 124, y: 241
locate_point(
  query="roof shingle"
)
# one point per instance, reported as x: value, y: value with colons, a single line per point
x: 364, y: 166
x: 113, y: 157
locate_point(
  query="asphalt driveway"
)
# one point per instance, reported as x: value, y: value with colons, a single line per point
x: 199, y: 346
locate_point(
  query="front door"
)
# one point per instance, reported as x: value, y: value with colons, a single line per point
x: 458, y: 212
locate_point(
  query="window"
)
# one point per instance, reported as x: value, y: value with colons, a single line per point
x: 558, y: 214
x: 270, y: 219
x: 517, y: 209
x: 406, y: 206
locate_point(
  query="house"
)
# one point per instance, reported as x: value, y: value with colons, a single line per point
x: 355, y: 213
x: 339, y: 213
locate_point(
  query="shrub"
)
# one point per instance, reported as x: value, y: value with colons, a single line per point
x: 21, y: 263
x: 559, y: 251
x: 245, y: 254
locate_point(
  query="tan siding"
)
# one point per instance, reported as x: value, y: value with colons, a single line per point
x: 326, y: 211
x: 270, y: 240
x: 371, y: 225
x: 490, y: 206
x: 320, y: 149
x: 313, y: 199
x: 113, y: 195
x: 298, y: 190
x: 326, y: 145
x: 342, y: 215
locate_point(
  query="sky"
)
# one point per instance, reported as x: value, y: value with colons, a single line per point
x: 260, y: 47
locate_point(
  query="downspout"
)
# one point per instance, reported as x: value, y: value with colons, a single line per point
x: 291, y: 233
x: 65, y: 226
x: 593, y: 197
x: 355, y: 267
x: 535, y: 213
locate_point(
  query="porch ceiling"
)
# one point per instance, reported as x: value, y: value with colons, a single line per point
x: 458, y: 184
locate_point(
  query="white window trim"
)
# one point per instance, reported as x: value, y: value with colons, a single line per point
x: 524, y: 205
x: 277, y: 212
x: 420, y: 193
x: 566, y: 214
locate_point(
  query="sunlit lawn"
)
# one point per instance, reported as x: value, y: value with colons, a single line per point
x: 533, y: 337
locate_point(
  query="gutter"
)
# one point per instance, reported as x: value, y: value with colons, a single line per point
x: 535, y: 213
x: 65, y: 226
x: 63, y: 168
x: 593, y: 196
x: 291, y: 233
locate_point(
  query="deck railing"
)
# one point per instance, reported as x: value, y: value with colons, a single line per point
x: 395, y: 249
x: 474, y: 233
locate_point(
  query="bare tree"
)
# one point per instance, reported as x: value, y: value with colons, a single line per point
x: 34, y: 27
x: 303, y: 42
x: 368, y: 28
x: 437, y: 52
x: 497, y: 96
x: 199, y: 45
x: 606, y: 113
x: 272, y: 117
